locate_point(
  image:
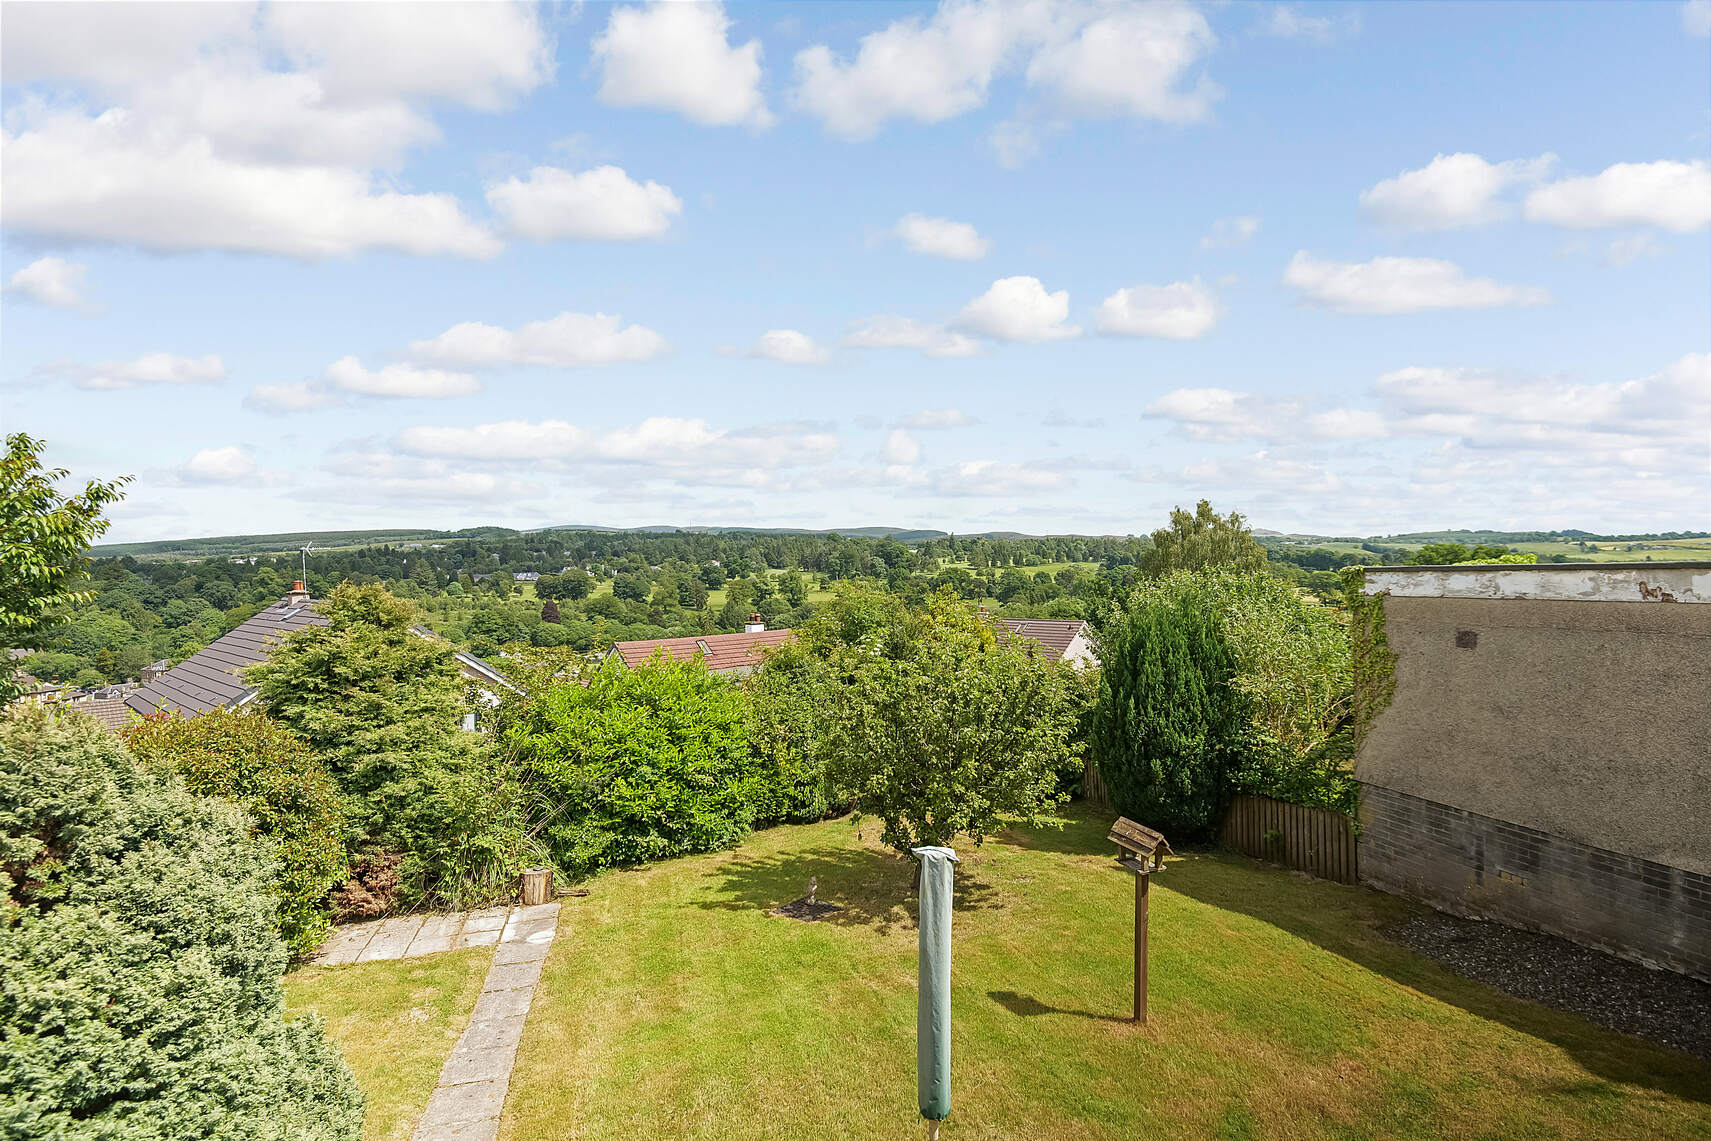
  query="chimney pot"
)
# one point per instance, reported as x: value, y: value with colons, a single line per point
x: 299, y: 593
x: 755, y: 625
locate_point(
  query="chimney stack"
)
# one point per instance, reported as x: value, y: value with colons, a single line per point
x: 299, y: 594
x: 755, y: 625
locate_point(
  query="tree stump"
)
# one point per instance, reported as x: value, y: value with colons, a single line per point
x: 537, y: 886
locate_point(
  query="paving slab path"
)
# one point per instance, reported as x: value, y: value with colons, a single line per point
x: 466, y: 1103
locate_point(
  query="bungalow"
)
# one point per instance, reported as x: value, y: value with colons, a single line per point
x: 738, y: 654
x: 1061, y: 639
x: 213, y: 679
x: 526, y: 576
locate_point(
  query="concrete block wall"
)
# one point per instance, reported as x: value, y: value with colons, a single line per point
x: 1479, y: 866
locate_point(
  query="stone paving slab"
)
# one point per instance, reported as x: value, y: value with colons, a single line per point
x: 407, y: 936
x: 470, y: 1096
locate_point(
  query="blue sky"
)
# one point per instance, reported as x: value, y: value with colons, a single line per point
x: 1036, y: 266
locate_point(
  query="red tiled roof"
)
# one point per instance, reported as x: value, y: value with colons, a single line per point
x: 1053, y: 634
x: 722, y: 651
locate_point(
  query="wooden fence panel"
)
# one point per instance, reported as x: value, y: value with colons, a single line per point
x: 1312, y: 840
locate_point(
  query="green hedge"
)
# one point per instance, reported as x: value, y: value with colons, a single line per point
x: 253, y: 760
x: 140, y: 994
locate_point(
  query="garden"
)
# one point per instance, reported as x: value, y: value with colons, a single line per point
x: 160, y: 884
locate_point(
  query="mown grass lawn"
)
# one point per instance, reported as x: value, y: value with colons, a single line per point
x: 674, y: 1006
x: 397, y: 1023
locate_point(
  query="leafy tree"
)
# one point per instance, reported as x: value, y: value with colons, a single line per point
x: 639, y: 764
x: 44, y: 544
x: 793, y: 587
x: 1203, y: 539
x: 250, y: 759
x: 713, y: 575
x: 937, y: 727
x: 632, y: 587
x: 1445, y: 554
x: 549, y: 612
x: 141, y: 997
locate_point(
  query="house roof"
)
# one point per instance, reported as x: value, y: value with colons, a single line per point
x: 1053, y: 634
x: 721, y: 651
x: 212, y: 678
x: 110, y: 711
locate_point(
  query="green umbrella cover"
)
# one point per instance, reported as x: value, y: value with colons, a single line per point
x: 933, y: 1017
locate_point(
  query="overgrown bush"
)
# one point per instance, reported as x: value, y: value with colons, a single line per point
x: 140, y: 994
x: 783, y: 711
x: 639, y: 764
x: 253, y: 760
x: 383, y: 706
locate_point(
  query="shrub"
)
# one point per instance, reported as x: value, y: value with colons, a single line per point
x: 639, y: 764
x: 252, y: 760
x: 784, y: 721
x: 140, y: 994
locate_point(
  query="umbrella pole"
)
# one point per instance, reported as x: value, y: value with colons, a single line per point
x: 932, y: 1130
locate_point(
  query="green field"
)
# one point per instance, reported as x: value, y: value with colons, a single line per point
x: 675, y: 1006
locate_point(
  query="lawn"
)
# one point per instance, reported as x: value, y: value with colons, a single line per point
x: 397, y: 1023
x: 674, y: 1006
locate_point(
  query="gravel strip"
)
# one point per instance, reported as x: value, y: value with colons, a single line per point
x: 1660, y: 1005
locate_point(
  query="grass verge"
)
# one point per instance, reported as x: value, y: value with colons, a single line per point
x: 397, y: 1023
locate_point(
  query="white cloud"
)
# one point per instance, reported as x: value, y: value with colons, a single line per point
x: 218, y: 465
x: 1084, y: 59
x: 347, y: 374
x: 942, y: 237
x: 677, y: 57
x: 902, y: 448
x: 891, y: 332
x: 119, y: 178
x: 1293, y: 24
x: 1401, y: 285
x: 298, y: 396
x: 603, y: 204
x: 787, y: 346
x: 568, y: 340
x: 937, y: 419
x: 1451, y: 191
x: 1347, y: 424
x: 994, y: 478
x: 1018, y: 309
x: 1132, y: 61
x: 1626, y: 251
x: 150, y: 368
x: 1220, y: 415
x: 50, y: 281
x: 1670, y: 195
x: 1696, y: 18
x: 200, y: 140
x: 1227, y: 233
x: 1181, y: 311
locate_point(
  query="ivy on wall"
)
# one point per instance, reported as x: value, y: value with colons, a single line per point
x: 1374, y: 661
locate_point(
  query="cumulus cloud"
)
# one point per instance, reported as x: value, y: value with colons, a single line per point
x: 298, y: 396
x: 993, y: 478
x: 787, y: 346
x: 348, y: 375
x: 936, y: 419
x: 1696, y: 18
x: 567, y: 341
x: 891, y: 332
x: 1451, y: 191
x: 941, y: 237
x: 218, y: 465
x: 201, y: 141
x: 150, y: 368
x: 1181, y: 311
x: 50, y: 281
x: 1018, y: 309
x: 1293, y: 24
x: 1401, y: 285
x: 1081, y: 59
x: 1670, y: 195
x: 1227, y: 233
x: 678, y: 57
x: 902, y: 448
x: 603, y: 204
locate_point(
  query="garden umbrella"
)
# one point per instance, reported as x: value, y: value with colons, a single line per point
x: 933, y: 1016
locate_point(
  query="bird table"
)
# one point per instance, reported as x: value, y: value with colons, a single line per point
x: 1142, y: 851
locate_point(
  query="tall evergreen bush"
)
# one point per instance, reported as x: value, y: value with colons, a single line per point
x: 140, y: 994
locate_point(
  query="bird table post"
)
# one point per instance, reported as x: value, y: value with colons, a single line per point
x: 933, y: 1015
x: 1142, y: 851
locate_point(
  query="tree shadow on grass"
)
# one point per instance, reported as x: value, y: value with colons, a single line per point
x: 871, y: 889
x: 1029, y: 1007
x: 1318, y: 911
